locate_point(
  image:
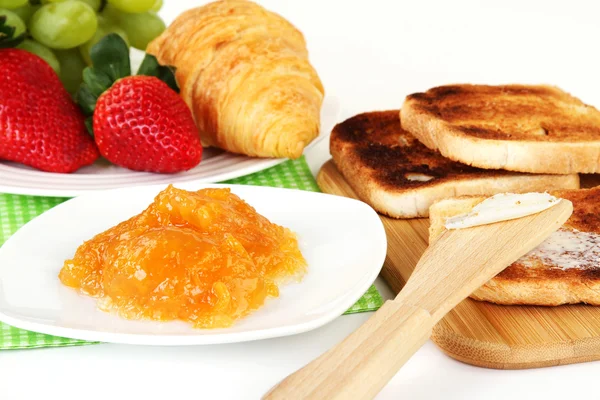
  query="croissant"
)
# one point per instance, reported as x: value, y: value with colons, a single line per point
x: 245, y: 74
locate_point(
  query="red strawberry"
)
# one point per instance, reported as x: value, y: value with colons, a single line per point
x: 40, y: 125
x: 139, y: 122
x: 142, y: 124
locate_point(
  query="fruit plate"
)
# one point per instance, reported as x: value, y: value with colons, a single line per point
x: 344, y: 257
x: 216, y: 166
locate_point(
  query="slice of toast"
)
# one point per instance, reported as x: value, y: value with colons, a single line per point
x: 398, y: 176
x: 536, y: 129
x: 565, y: 269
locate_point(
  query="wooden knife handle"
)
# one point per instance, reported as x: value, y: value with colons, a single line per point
x: 365, y: 361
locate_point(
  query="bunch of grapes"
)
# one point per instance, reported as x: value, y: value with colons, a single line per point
x: 62, y: 32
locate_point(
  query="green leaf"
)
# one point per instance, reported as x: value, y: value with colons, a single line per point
x: 6, y: 30
x: 111, y: 56
x: 6, y: 43
x: 89, y: 124
x: 6, y: 35
x: 168, y: 76
x: 110, y: 62
x: 151, y: 67
x: 96, y: 81
x: 35, y: 2
x: 86, y: 100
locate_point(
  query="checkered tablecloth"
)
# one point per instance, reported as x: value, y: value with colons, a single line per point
x: 16, y: 210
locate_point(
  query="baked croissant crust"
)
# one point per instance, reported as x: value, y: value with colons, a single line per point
x: 244, y: 73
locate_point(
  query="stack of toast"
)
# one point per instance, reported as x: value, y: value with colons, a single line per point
x: 450, y: 147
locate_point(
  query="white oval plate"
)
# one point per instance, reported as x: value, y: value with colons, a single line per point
x: 343, y: 241
x: 216, y: 166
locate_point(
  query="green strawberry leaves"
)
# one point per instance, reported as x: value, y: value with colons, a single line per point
x: 110, y: 62
x: 151, y: 67
x: 97, y: 81
x: 86, y: 99
x: 111, y: 57
x: 7, y: 32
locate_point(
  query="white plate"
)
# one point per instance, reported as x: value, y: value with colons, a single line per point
x: 342, y: 240
x: 216, y: 166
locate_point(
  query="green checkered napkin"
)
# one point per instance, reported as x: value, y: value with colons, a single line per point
x: 17, y: 210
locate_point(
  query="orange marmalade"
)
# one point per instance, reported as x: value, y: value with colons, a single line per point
x: 205, y: 257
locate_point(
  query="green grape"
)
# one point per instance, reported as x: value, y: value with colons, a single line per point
x: 71, y: 69
x: 12, y: 19
x: 132, y: 6
x: 10, y: 4
x: 63, y: 25
x: 42, y: 51
x: 25, y: 12
x: 104, y: 28
x: 110, y: 14
x: 95, y: 4
x: 141, y: 28
x: 157, y: 6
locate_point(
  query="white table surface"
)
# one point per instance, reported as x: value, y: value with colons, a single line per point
x: 370, y: 54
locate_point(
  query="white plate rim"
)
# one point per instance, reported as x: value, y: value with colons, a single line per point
x: 222, y: 337
x: 243, y: 166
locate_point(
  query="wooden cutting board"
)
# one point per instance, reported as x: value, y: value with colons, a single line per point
x: 480, y: 333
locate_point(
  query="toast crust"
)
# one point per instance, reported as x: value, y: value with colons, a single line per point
x: 535, y: 129
x: 400, y: 177
x: 533, y: 280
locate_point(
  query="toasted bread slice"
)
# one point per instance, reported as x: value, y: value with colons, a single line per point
x: 398, y: 176
x: 565, y: 269
x: 536, y: 129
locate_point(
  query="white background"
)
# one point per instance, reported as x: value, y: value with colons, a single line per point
x: 370, y: 54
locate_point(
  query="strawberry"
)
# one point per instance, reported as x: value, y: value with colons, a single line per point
x: 138, y: 122
x: 141, y: 124
x: 40, y: 125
